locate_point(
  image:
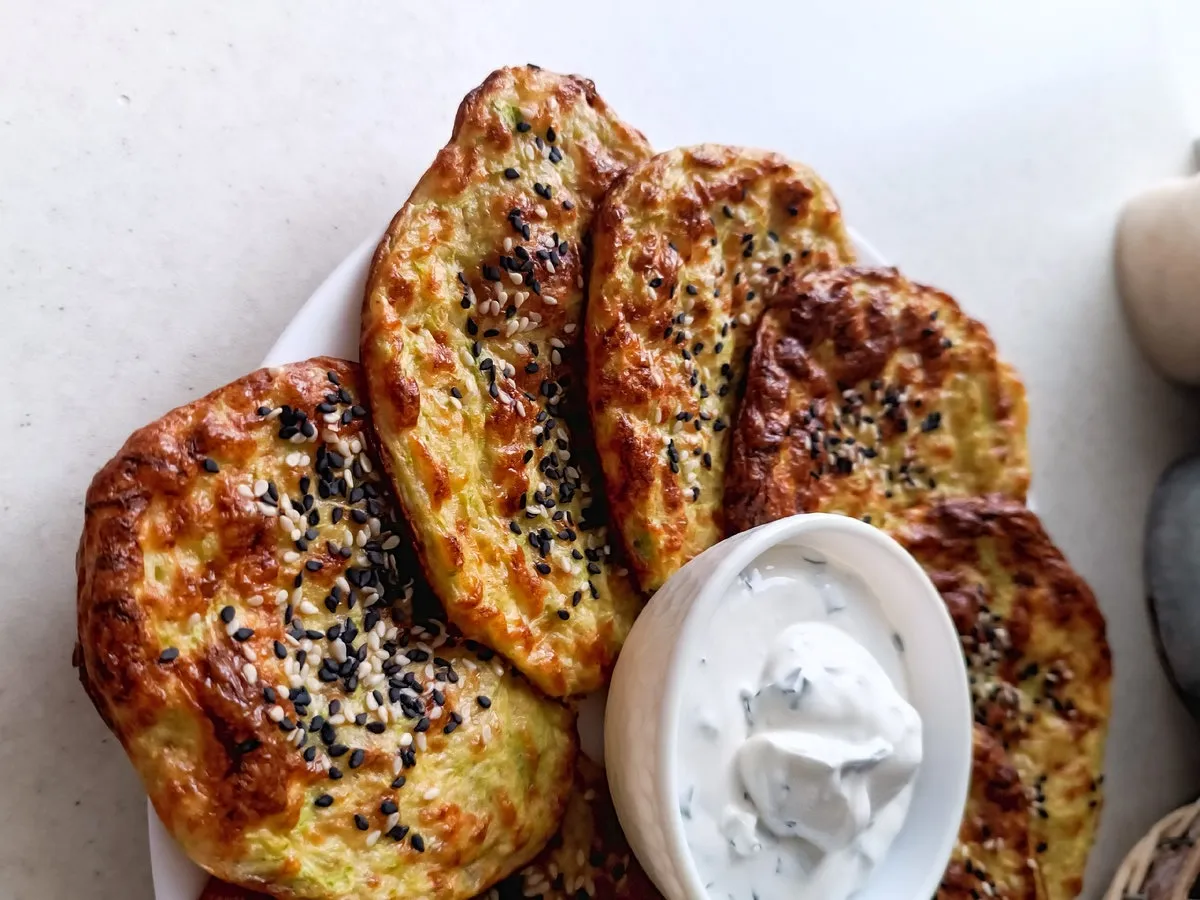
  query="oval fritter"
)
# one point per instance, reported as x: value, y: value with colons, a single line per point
x: 470, y: 345
x: 686, y: 248
x: 991, y: 858
x: 1038, y: 659
x: 243, y: 629
x: 868, y: 394
x: 589, y: 853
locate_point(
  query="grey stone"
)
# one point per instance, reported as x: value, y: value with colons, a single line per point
x: 1172, y: 570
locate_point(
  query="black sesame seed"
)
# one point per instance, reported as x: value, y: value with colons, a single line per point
x: 169, y: 655
x: 523, y: 127
x: 243, y: 634
x: 693, y: 290
x: 422, y: 724
x: 449, y: 729
x: 564, y: 614
x: 418, y: 843
x: 356, y: 758
x: 335, y: 774
x: 387, y: 807
x: 511, y: 174
x: 210, y: 465
x: 324, y: 801
x: 361, y: 823
x: 555, y: 155
x: 484, y: 701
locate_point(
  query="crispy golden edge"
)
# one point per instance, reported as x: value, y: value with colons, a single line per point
x: 223, y: 776
x: 686, y: 249
x: 459, y: 464
x: 867, y: 394
x: 1039, y: 661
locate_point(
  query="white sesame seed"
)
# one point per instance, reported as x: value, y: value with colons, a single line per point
x: 539, y: 211
x: 516, y: 277
x: 555, y: 342
x: 422, y: 744
x: 432, y: 793
x: 373, y: 838
x: 337, y: 649
x: 291, y: 556
x: 487, y: 733
x: 556, y: 357
x: 744, y: 318
x: 267, y: 509
x: 511, y: 328
x: 569, y: 328
x: 508, y: 244
x: 392, y: 821
x: 547, y: 299
x: 299, y: 438
x: 275, y: 713
x: 274, y: 414
x: 281, y: 596
x: 520, y: 298
x: 248, y: 652
x: 250, y: 673
x: 244, y: 490
x: 307, y: 607
x: 194, y: 619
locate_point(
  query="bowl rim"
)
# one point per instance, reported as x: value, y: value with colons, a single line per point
x: 739, y: 552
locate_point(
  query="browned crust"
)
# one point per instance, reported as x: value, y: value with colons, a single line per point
x: 991, y: 857
x: 687, y: 247
x: 166, y: 539
x: 1040, y: 665
x: 460, y: 476
x: 829, y: 362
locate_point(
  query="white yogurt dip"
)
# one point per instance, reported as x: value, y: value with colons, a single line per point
x: 796, y: 745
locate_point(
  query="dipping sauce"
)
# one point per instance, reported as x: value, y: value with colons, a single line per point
x: 796, y: 746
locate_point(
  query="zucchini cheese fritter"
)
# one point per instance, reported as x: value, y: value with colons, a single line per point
x: 1038, y: 660
x: 244, y: 630
x: 991, y: 858
x: 868, y: 394
x: 589, y: 854
x: 687, y: 248
x: 470, y: 342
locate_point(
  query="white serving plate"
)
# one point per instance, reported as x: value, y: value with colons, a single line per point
x: 327, y: 325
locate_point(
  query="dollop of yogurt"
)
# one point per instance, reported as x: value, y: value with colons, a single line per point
x: 797, y: 747
x: 831, y: 740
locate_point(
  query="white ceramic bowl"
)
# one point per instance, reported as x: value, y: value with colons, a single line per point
x: 643, y: 702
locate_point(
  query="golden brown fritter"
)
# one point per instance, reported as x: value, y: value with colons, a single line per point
x: 243, y: 629
x: 1038, y: 660
x: 868, y: 394
x: 686, y: 248
x: 588, y: 854
x: 470, y: 344
x: 991, y: 858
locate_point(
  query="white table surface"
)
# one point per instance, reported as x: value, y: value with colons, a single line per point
x: 176, y: 178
